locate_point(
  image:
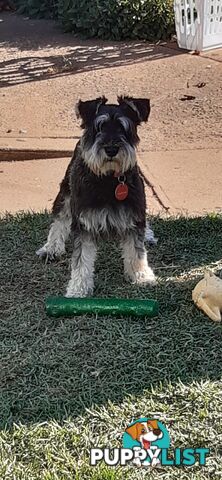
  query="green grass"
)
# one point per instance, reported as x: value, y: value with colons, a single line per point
x: 69, y: 384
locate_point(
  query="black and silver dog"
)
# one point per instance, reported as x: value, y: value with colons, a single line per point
x: 102, y: 193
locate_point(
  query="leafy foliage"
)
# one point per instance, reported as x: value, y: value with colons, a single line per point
x: 38, y: 8
x: 108, y: 19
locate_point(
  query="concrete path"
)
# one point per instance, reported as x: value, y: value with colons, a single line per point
x: 188, y: 182
x: 30, y: 185
x: 185, y: 182
x: 33, y: 185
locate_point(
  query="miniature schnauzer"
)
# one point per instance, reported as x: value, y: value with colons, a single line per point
x: 102, y: 194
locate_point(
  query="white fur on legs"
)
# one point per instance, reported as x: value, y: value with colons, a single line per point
x: 136, y: 266
x: 58, y: 233
x: 81, y: 283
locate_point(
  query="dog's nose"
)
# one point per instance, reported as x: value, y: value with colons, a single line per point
x: 111, y: 150
x: 157, y: 432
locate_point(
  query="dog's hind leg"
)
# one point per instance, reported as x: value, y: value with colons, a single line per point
x: 61, y: 226
x: 81, y: 283
x: 136, y: 266
x: 149, y: 235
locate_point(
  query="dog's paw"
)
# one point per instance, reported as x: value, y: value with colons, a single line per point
x: 145, y: 276
x: 80, y: 291
x: 50, y: 252
x: 44, y: 253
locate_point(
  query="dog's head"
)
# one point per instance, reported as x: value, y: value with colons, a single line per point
x: 110, y: 132
x: 145, y: 432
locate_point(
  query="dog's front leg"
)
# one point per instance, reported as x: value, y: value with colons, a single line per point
x: 81, y: 283
x: 136, y: 266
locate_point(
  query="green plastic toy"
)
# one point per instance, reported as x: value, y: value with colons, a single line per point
x: 69, y: 307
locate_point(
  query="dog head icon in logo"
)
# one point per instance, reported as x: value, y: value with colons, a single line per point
x: 147, y: 434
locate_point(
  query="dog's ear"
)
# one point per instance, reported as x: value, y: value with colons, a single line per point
x: 89, y: 109
x: 133, y: 431
x: 138, y: 109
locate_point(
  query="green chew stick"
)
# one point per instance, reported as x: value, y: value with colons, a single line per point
x: 69, y: 307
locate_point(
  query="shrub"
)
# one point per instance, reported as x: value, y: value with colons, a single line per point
x: 109, y: 19
x: 38, y: 8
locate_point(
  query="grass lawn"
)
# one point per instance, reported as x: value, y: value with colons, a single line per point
x: 69, y: 384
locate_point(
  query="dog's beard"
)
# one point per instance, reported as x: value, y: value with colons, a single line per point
x: 97, y: 160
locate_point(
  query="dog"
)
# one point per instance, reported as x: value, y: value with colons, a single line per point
x: 102, y: 194
x: 145, y: 433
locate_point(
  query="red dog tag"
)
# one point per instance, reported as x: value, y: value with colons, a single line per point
x: 121, y: 191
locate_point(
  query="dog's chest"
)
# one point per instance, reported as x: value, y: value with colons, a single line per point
x: 91, y: 191
x: 101, y: 192
x: 107, y: 220
x: 95, y: 204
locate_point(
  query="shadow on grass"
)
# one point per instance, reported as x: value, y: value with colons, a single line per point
x: 55, y: 368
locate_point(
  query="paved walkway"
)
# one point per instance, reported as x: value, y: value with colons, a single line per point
x: 187, y: 182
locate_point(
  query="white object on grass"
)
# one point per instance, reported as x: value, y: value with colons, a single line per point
x: 207, y: 295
